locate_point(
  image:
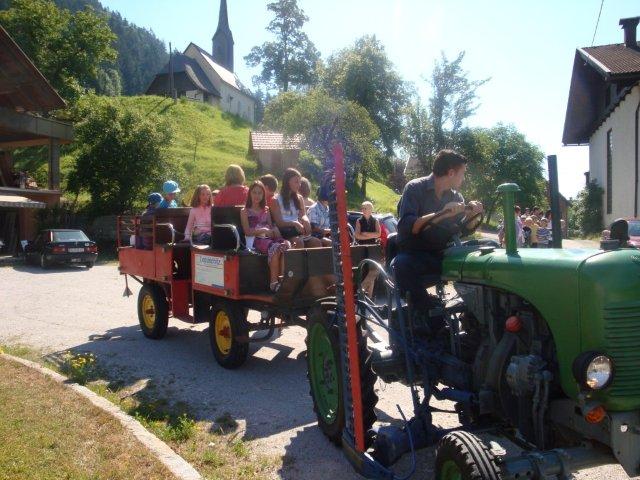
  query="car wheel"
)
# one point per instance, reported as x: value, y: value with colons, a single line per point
x: 44, y: 263
x: 89, y: 264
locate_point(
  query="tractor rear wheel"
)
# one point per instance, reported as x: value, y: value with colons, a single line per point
x: 462, y: 455
x: 229, y: 334
x: 324, y: 372
x: 153, y: 311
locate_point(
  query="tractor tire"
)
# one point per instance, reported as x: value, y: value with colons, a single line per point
x: 229, y: 334
x: 463, y: 455
x: 153, y: 311
x: 324, y: 373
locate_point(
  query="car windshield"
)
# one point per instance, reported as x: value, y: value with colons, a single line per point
x: 634, y: 228
x: 70, y: 236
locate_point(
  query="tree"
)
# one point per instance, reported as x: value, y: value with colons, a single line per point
x: 121, y: 155
x: 417, y: 137
x: 452, y: 101
x: 290, y: 60
x: 365, y: 75
x: 588, y: 210
x: 498, y: 155
x: 321, y: 119
x: 67, y: 48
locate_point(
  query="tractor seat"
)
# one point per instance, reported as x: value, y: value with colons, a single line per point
x: 222, y: 236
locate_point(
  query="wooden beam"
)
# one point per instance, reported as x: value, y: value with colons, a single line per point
x: 34, y: 142
x: 37, y: 126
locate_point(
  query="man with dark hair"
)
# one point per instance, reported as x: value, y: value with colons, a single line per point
x: 428, y: 203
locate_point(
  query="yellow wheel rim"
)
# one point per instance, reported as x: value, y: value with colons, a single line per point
x: 148, y: 311
x: 223, y: 332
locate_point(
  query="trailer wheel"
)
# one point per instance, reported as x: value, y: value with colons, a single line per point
x: 153, y: 311
x: 462, y: 455
x: 325, y: 374
x: 229, y: 335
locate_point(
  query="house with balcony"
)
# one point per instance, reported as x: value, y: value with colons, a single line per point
x: 26, y: 97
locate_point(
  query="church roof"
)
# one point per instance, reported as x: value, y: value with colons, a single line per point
x: 186, y: 67
x: 227, y: 77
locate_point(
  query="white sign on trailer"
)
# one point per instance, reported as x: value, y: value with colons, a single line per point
x: 209, y: 270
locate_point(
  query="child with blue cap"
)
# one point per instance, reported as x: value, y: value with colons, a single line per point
x: 169, y: 191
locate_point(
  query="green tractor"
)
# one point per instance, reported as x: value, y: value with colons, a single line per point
x: 540, y: 350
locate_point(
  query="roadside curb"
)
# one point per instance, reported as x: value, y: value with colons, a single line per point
x: 170, y: 459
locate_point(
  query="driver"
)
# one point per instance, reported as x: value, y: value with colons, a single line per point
x: 426, y: 202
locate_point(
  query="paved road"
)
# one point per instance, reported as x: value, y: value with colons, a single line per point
x: 84, y: 310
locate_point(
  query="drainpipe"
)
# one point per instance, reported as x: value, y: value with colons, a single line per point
x: 508, y: 191
x: 554, y: 193
x: 635, y: 203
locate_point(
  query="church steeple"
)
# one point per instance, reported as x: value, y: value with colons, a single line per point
x: 222, y: 51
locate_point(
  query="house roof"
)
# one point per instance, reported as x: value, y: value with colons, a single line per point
x: 22, y: 86
x: 602, y: 77
x: 187, y: 69
x: 259, y: 140
x: 227, y: 77
x: 613, y: 60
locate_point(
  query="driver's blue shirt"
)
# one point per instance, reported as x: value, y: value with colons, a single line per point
x: 418, y: 199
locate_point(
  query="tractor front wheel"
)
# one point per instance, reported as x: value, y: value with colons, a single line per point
x: 324, y: 372
x: 153, y: 311
x: 229, y: 335
x: 463, y: 456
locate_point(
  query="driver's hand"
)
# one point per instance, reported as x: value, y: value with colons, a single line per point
x: 454, y: 208
x: 478, y: 208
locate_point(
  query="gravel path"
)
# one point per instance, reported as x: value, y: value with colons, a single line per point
x: 84, y: 310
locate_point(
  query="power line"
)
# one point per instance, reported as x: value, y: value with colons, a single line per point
x: 597, y: 22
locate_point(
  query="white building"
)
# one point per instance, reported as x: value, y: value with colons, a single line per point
x: 604, y: 112
x: 201, y: 76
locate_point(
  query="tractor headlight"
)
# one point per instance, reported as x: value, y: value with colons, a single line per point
x: 593, y: 370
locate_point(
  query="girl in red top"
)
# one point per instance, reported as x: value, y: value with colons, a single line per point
x: 235, y: 192
x: 256, y: 222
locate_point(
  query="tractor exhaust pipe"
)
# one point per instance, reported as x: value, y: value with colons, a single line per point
x: 554, y: 193
x: 508, y: 191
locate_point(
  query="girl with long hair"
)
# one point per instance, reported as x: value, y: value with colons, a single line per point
x: 289, y: 212
x: 256, y: 222
x: 199, y: 222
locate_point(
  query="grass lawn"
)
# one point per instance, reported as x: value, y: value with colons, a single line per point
x: 49, y: 432
x: 214, y: 447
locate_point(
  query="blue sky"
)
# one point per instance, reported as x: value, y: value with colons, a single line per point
x: 526, y: 47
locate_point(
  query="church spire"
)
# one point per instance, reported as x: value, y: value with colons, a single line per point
x: 222, y: 51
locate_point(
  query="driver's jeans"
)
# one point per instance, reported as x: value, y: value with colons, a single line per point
x: 416, y: 270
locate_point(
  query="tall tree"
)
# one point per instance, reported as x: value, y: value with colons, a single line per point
x: 498, y: 155
x: 290, y: 60
x: 67, y: 48
x: 452, y: 101
x: 321, y: 119
x: 364, y: 74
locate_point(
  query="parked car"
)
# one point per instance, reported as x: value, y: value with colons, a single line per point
x: 634, y: 232
x: 388, y: 223
x: 61, y: 246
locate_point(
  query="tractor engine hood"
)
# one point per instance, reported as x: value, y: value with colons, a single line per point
x: 588, y: 297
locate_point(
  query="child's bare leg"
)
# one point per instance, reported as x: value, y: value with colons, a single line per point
x: 274, y: 266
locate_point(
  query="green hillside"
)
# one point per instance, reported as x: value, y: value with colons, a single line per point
x: 222, y: 139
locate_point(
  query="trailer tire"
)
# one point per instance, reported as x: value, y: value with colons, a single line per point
x: 323, y: 365
x: 463, y: 455
x: 153, y: 311
x: 229, y: 335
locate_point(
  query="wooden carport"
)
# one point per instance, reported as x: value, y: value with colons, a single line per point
x: 26, y: 97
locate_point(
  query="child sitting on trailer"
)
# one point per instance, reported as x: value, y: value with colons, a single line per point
x: 169, y: 191
x: 256, y: 222
x: 199, y: 222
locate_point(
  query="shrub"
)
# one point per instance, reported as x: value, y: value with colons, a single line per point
x: 588, y: 210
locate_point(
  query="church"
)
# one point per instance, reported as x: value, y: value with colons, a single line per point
x: 207, y: 77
